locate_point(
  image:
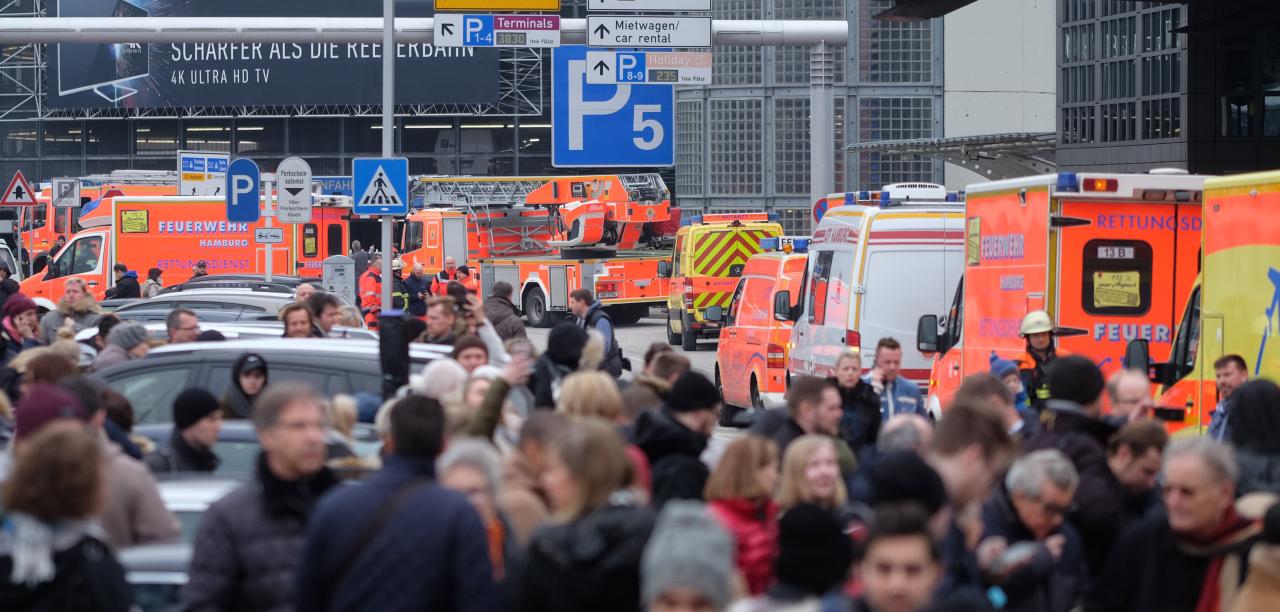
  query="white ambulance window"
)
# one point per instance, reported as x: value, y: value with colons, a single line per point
x: 1116, y: 277
x: 85, y: 254
x: 819, y: 273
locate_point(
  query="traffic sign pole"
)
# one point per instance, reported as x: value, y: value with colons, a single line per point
x: 270, y: 213
x: 388, y: 131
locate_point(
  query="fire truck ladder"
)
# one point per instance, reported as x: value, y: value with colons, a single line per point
x: 131, y: 177
x: 480, y: 196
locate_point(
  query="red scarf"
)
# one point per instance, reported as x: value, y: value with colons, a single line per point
x: 1228, y: 532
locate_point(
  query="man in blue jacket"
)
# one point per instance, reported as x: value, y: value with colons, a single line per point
x: 897, y: 395
x: 399, y: 541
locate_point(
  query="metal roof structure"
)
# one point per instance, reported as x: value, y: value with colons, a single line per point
x: 994, y: 156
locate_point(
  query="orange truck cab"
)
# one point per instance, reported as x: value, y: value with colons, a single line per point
x: 1111, y: 257
x: 751, y: 358
x: 172, y: 234
x: 1234, y: 308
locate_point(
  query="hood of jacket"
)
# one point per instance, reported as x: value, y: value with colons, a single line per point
x: 611, y: 537
x: 132, y: 275
x: 659, y: 434
x: 497, y: 308
x: 83, y: 306
x: 659, y: 386
x: 1062, y: 416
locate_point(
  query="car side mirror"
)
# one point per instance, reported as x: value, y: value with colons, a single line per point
x: 713, y: 313
x: 664, y: 269
x: 1137, y: 355
x: 782, y: 306
x: 927, y: 334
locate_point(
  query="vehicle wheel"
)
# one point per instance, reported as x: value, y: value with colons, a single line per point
x: 626, y: 315
x: 757, y: 402
x: 672, y: 337
x: 688, y: 337
x: 535, y: 308
x: 728, y: 412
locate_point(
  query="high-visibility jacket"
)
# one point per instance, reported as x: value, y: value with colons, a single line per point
x: 370, y: 292
x: 1033, y: 372
x: 441, y: 280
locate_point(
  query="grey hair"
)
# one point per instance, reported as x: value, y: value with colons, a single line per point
x: 476, y: 454
x: 1029, y: 474
x: 1219, y: 458
x: 900, y: 433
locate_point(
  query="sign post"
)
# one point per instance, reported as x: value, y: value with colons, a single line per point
x: 388, y: 138
x: 268, y: 211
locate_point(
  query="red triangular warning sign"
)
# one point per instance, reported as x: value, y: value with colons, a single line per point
x: 19, y: 192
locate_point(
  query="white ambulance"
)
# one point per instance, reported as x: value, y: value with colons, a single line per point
x: 877, y: 262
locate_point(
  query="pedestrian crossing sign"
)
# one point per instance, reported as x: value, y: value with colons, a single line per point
x: 381, y: 186
x: 19, y: 192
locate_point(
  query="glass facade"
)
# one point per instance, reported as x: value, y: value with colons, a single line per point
x: 743, y: 142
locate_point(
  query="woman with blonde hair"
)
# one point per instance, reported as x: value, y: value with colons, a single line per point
x: 811, y: 475
x: 585, y: 480
x: 739, y: 495
x: 591, y: 394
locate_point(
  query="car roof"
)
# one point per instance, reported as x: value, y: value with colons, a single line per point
x: 238, y: 330
x: 156, y: 558
x: 193, y: 493
x: 330, y: 346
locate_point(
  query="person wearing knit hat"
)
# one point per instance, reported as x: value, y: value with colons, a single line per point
x: 673, y: 438
x: 127, y: 341
x: 906, y: 477
x: 41, y: 405
x: 1072, y: 423
x: 1007, y: 372
x: 688, y: 562
x: 814, y: 558
x: 19, y: 327
x: 197, y: 421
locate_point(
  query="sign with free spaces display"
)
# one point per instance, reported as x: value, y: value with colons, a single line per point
x: 615, y: 124
x: 529, y: 31
x: 679, y: 67
x: 653, y: 6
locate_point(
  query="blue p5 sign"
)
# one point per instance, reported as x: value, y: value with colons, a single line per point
x: 623, y: 124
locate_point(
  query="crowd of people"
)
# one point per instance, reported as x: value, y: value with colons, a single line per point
x: 513, y: 478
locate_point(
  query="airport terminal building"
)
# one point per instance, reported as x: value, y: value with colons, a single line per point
x: 741, y: 143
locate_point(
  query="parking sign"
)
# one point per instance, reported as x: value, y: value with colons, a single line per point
x: 242, y: 191
x: 622, y: 124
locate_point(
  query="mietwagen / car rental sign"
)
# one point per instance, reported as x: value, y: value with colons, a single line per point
x: 648, y: 31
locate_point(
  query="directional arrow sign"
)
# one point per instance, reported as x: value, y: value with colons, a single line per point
x: 293, y: 177
x: 680, y: 67
x: 649, y: 6
x: 528, y: 31
x: 646, y: 31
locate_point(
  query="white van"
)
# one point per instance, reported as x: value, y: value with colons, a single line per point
x: 877, y: 261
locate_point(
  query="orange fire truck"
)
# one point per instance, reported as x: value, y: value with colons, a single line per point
x: 546, y: 236
x: 43, y: 223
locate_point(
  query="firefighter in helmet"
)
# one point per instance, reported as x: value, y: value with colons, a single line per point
x: 1038, y: 330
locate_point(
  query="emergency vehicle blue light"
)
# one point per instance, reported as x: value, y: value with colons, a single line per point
x: 773, y: 216
x: 953, y: 196
x: 800, y: 245
x: 684, y: 221
x: 863, y: 196
x: 1068, y: 181
x: 884, y: 197
x: 770, y: 244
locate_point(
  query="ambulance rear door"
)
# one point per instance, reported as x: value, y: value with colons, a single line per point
x: 1124, y: 269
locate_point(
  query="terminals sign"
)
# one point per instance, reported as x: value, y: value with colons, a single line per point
x: 530, y: 31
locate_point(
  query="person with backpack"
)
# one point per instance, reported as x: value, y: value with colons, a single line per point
x: 591, y: 315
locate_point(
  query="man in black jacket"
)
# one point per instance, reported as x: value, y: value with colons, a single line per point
x: 591, y: 315
x: 197, y: 421
x: 813, y: 407
x: 499, y: 309
x: 673, y: 438
x: 1072, y: 424
x: 250, y: 542
x: 126, y: 284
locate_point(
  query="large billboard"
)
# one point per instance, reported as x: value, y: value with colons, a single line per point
x: 132, y: 75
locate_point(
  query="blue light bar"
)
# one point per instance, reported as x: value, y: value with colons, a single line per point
x: 800, y: 245
x: 771, y: 244
x: 1068, y: 182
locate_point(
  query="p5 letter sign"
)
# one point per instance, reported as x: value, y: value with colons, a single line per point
x: 594, y: 125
